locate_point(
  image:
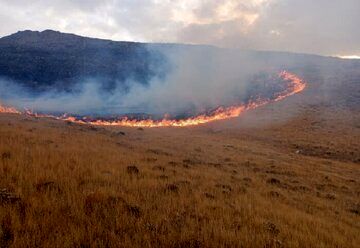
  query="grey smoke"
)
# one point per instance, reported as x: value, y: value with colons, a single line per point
x: 201, y: 78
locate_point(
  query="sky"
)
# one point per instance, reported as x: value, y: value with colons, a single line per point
x: 326, y: 27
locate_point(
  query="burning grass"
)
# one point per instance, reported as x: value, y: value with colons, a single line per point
x: 291, y: 85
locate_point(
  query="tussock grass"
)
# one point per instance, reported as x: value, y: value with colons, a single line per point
x: 79, y: 186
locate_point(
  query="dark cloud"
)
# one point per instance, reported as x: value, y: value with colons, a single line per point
x: 322, y: 26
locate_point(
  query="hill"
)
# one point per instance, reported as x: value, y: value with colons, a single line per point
x: 50, y: 59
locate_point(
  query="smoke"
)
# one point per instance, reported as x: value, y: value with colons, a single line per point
x: 199, y: 79
x: 85, y: 98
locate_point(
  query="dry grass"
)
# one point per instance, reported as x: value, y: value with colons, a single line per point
x: 291, y: 183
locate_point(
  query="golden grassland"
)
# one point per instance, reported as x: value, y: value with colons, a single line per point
x: 265, y: 179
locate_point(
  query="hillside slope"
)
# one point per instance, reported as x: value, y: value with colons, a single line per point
x: 52, y: 60
x: 284, y: 175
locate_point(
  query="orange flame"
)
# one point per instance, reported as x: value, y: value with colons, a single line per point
x: 9, y: 110
x: 295, y: 85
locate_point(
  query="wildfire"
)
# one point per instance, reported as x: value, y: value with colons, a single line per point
x: 10, y: 110
x: 294, y: 86
x: 297, y: 85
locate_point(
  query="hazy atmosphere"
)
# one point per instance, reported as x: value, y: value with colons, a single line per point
x: 160, y: 84
x: 321, y: 27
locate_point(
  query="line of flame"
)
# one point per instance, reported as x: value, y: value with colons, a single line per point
x: 10, y: 110
x: 296, y: 85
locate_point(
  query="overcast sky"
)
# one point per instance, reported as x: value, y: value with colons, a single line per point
x: 328, y: 27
